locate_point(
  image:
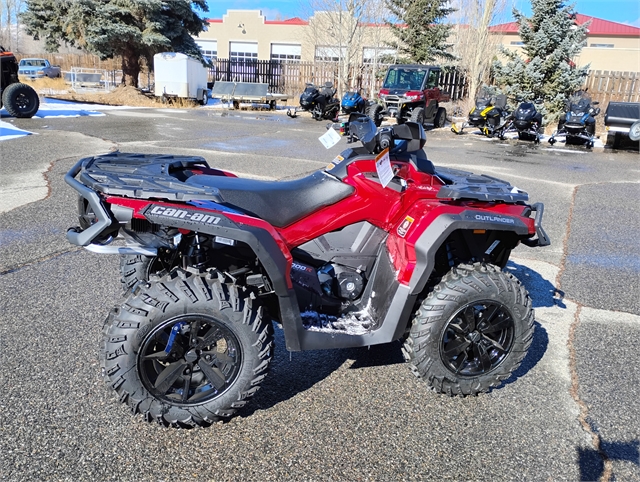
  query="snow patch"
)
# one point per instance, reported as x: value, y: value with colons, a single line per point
x: 352, y: 323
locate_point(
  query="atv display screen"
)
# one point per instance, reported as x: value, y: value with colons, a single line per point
x: 405, y: 79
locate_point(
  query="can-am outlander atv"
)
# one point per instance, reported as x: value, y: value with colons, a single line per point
x: 348, y: 256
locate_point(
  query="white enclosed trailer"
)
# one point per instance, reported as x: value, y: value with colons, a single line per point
x: 178, y: 75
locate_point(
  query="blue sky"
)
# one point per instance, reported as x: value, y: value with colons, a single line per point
x: 622, y: 11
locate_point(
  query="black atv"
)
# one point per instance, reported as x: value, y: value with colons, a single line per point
x: 20, y: 100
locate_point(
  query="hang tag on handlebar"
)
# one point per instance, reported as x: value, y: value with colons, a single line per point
x: 329, y: 138
x: 383, y: 166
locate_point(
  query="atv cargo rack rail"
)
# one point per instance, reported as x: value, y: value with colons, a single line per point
x: 466, y: 185
x: 141, y: 176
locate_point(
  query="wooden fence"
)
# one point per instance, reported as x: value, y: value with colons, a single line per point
x: 290, y: 77
x: 605, y: 86
x: 66, y: 61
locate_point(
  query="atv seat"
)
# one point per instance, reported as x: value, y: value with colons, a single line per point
x: 280, y: 203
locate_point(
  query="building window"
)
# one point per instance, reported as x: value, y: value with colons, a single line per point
x: 517, y: 44
x: 286, y: 52
x: 602, y: 46
x: 330, y: 54
x: 209, y: 49
x: 243, y: 51
x: 384, y: 55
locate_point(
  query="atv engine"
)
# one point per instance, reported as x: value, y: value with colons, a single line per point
x: 329, y: 288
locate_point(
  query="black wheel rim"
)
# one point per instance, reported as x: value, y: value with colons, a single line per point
x: 189, y: 360
x: 22, y: 101
x: 477, y: 338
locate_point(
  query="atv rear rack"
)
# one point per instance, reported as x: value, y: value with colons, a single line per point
x: 466, y: 185
x: 138, y: 176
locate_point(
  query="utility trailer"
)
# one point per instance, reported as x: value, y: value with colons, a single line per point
x: 178, y: 75
x: 622, y: 121
x: 253, y: 92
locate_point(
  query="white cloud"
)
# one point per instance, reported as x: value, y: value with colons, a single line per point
x: 272, y: 14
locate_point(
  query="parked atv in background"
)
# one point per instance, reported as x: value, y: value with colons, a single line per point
x: 321, y: 102
x: 490, y: 115
x: 411, y: 93
x: 20, y: 100
x: 348, y: 256
x: 578, y: 125
x: 527, y: 121
x: 353, y: 101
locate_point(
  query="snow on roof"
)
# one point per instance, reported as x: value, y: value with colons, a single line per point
x: 598, y: 27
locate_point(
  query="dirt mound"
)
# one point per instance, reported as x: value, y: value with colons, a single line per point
x: 121, y: 95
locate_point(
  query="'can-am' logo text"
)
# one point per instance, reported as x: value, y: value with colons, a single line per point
x: 494, y: 219
x: 182, y: 214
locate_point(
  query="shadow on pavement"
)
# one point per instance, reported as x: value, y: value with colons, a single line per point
x: 534, y: 355
x: 543, y: 293
x: 591, y: 462
x: 289, y: 377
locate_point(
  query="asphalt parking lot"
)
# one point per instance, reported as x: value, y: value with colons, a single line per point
x: 570, y: 412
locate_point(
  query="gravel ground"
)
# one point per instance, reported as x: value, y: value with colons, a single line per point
x: 568, y: 413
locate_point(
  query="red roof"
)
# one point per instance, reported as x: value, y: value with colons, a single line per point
x: 289, y: 21
x: 598, y: 27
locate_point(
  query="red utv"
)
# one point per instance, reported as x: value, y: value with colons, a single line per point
x: 411, y: 93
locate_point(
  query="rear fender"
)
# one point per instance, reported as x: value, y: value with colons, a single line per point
x: 260, y: 236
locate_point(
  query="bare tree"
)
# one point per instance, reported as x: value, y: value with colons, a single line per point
x: 377, y: 40
x: 474, y: 45
x: 337, y: 32
x: 10, y: 23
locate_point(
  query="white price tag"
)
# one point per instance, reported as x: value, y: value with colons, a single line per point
x: 383, y: 166
x: 329, y: 138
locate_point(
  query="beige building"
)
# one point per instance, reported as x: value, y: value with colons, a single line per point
x: 610, y: 46
x: 247, y: 34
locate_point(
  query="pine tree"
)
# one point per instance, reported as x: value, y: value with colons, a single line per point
x: 420, y: 32
x: 545, y: 69
x: 131, y: 29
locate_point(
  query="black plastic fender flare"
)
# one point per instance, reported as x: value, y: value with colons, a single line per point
x: 440, y: 229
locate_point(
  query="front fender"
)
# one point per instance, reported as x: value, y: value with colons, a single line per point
x: 430, y: 240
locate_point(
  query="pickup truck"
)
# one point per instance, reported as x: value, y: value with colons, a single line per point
x: 37, y: 68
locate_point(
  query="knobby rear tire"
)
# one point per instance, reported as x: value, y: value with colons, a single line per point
x: 218, y: 324
x: 435, y: 348
x: 136, y: 267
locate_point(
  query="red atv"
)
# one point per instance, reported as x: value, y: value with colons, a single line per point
x: 370, y: 250
x: 411, y: 93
